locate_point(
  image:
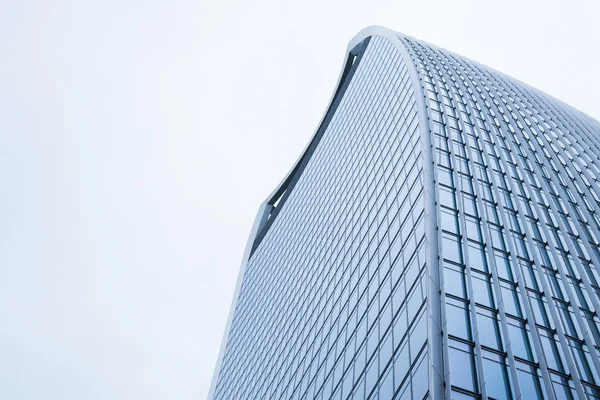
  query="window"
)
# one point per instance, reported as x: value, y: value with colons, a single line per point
x: 449, y: 221
x: 510, y: 299
x: 457, y: 319
x: 489, y: 331
x: 482, y: 289
x: 462, y: 367
x: 551, y: 350
x: 418, y: 337
x: 519, y: 339
x: 447, y: 197
x: 496, y: 376
x: 477, y: 257
x: 454, y: 280
x: 529, y: 382
x: 420, y: 379
x: 401, y: 365
x: 386, y: 388
x: 451, y: 248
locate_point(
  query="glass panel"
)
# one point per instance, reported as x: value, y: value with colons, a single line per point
x: 489, y: 331
x: 496, y: 379
x: 401, y: 365
x: 519, y: 340
x: 420, y: 379
x: 457, y: 320
x: 462, y: 367
x: 454, y: 280
x: 530, y: 385
x: 482, y: 290
x: 451, y: 248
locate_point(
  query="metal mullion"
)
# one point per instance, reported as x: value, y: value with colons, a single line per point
x: 586, y: 243
x: 584, y: 277
x: 487, y: 241
x: 436, y: 308
x: 591, y: 139
x: 557, y: 322
x: 593, y: 179
x: 568, y: 114
x: 579, y: 138
x: 512, y: 254
x: 464, y: 249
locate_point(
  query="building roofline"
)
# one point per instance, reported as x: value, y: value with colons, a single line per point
x: 353, y: 51
x: 267, y: 208
x: 260, y: 220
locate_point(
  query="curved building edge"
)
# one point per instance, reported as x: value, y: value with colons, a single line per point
x: 267, y: 208
x: 262, y: 215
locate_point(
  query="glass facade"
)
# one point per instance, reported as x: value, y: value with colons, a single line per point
x: 441, y: 240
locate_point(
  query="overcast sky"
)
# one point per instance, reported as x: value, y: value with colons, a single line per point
x: 138, y: 138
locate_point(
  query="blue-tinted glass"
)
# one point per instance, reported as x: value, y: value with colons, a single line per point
x: 420, y: 379
x: 462, y: 365
x: 489, y: 332
x: 451, y: 248
x: 496, y: 379
x: 482, y: 290
x: 386, y: 389
x: 457, y: 318
x: 401, y: 365
x: 343, y: 265
x: 530, y: 385
x: 454, y: 280
x: 519, y: 341
x: 418, y: 336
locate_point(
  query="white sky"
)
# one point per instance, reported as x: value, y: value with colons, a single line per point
x: 137, y: 139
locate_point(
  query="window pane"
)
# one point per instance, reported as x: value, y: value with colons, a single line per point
x: 530, y: 385
x: 451, y: 248
x: 496, y: 380
x: 489, y: 333
x: 457, y: 321
x: 482, y: 290
x: 401, y: 365
x: 462, y: 367
x: 454, y: 281
x: 519, y: 341
x: 420, y: 379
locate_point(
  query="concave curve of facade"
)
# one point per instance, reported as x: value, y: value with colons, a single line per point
x: 437, y: 238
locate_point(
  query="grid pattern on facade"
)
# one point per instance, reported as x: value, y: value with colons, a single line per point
x: 517, y: 191
x: 332, y: 303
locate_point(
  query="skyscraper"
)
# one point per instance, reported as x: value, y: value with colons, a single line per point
x: 439, y: 237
